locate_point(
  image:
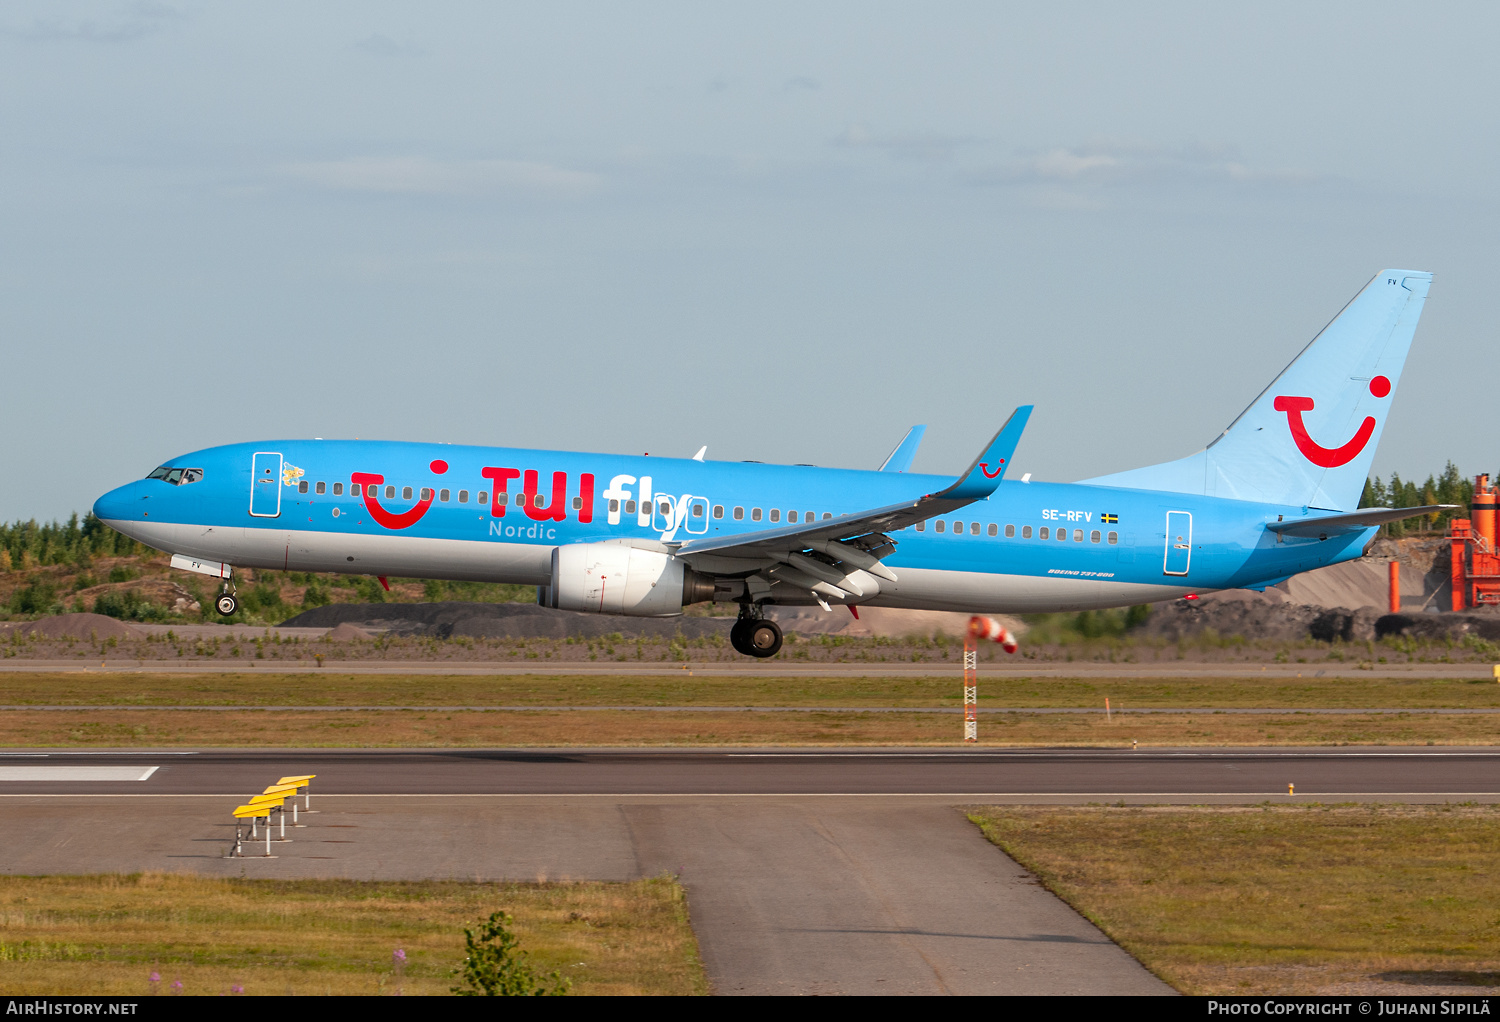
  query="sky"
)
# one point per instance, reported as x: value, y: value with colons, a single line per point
x: 788, y: 231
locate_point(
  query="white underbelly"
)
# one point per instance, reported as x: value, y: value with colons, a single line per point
x: 406, y: 556
x: 979, y: 592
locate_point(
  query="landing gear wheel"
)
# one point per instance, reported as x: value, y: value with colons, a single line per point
x: 762, y: 639
x: 226, y: 604
x: 738, y: 638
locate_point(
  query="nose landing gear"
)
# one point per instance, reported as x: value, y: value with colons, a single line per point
x: 755, y: 636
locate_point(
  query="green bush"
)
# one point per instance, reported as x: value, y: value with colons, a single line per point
x: 36, y: 598
x: 495, y: 966
x: 123, y: 573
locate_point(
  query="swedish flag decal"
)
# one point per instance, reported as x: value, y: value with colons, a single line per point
x: 1109, y: 519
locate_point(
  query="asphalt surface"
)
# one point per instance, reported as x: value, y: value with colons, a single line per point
x: 807, y: 872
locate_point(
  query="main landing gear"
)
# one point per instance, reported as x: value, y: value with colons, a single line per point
x: 226, y: 604
x: 754, y: 636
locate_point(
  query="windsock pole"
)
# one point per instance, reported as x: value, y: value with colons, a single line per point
x: 971, y: 690
x: 980, y: 629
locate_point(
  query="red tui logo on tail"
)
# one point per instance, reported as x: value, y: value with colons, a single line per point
x: 1328, y: 457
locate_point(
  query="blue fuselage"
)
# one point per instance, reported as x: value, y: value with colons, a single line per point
x: 495, y: 514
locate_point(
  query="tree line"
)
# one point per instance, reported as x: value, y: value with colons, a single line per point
x: 1450, y: 487
x: 25, y: 545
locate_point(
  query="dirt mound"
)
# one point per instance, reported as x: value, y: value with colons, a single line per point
x: 80, y: 626
x: 525, y: 620
x: 1439, y: 626
x: 878, y: 621
x: 498, y: 620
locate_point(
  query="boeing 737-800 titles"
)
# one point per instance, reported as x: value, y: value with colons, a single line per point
x: 1275, y: 494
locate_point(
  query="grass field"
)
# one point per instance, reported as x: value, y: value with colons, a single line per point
x: 547, y: 721
x: 107, y: 934
x: 613, y: 728
x: 254, y: 688
x: 1279, y: 900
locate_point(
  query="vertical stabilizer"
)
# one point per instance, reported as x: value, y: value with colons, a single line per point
x: 1308, y: 439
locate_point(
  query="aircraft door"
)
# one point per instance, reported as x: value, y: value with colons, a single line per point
x: 265, y: 485
x: 696, y: 521
x: 1179, y: 543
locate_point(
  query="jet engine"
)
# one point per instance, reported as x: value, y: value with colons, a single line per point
x: 614, y: 578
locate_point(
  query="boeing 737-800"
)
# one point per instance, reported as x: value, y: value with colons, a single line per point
x: 1275, y: 494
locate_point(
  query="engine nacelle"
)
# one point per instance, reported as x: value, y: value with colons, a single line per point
x: 613, y: 578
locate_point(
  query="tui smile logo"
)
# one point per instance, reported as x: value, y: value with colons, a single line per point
x: 1329, y: 457
x: 369, y: 484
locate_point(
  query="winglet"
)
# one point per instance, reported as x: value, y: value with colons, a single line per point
x: 900, y: 459
x: 984, y: 475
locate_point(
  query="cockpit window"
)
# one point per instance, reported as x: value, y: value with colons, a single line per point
x: 176, y: 476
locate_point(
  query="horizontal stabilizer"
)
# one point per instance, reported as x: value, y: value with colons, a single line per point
x: 1354, y: 521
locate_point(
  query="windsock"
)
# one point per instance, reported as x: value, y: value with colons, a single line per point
x: 988, y: 629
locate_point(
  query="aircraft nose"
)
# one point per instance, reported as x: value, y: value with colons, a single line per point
x: 120, y: 503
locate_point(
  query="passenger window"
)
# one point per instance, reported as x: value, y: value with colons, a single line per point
x: 791, y: 516
x: 776, y: 514
x: 630, y: 507
x: 1094, y: 536
x: 321, y: 488
x: 338, y: 489
x: 1010, y: 532
x: 974, y: 529
x: 827, y: 515
x: 1026, y: 532
x: 718, y: 510
x: 922, y: 526
x: 301, y: 487
x: 697, y: 510
x: 443, y: 496
x: 482, y: 497
x: 939, y: 525
x: 463, y: 496
x: 665, y: 507
x: 500, y: 498
x: 390, y: 493
x: 614, y: 507
x: 406, y: 493
x: 577, y: 503
x: 755, y: 514
x: 738, y: 513
x: 1077, y: 535
x: 1113, y: 537
x: 1042, y: 533
x: 536, y: 501
x: 426, y: 494
x: 808, y: 516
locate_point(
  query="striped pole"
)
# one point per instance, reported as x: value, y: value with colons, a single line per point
x: 971, y: 691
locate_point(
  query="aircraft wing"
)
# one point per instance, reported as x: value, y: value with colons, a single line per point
x: 977, y: 482
x: 900, y: 459
x: 1353, y: 521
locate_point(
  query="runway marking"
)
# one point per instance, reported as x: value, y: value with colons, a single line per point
x: 75, y: 773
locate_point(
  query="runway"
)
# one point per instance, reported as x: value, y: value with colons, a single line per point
x: 1040, y: 775
x: 807, y: 871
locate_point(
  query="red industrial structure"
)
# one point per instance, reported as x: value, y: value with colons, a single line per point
x: 1476, y: 560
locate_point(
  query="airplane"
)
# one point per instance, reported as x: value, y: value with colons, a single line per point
x: 1274, y: 494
